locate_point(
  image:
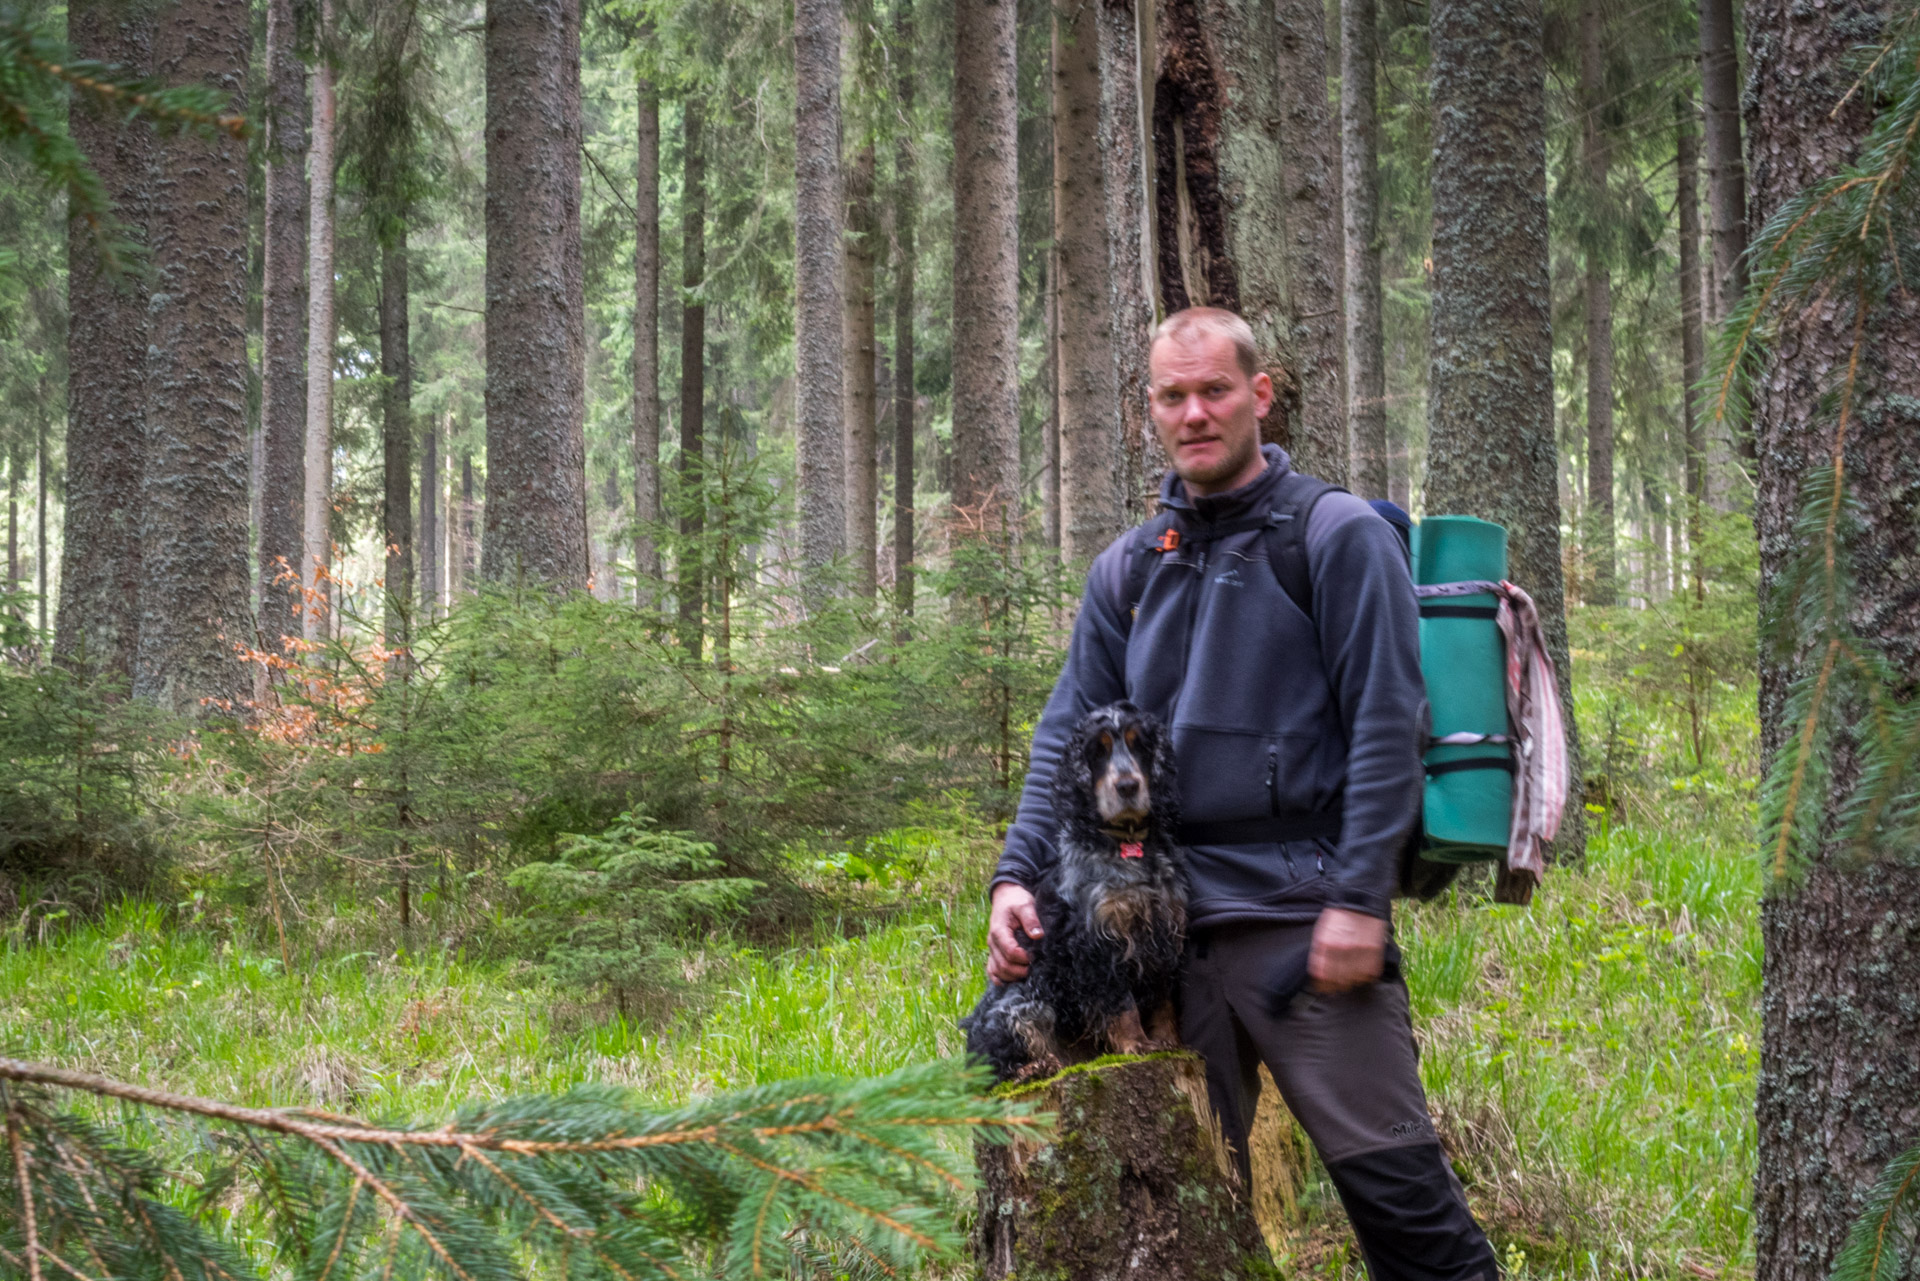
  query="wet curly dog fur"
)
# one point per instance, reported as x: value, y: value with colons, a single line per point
x: 1112, y: 907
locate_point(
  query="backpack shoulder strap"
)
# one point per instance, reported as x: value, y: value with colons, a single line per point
x: 1286, y: 534
x: 1144, y: 544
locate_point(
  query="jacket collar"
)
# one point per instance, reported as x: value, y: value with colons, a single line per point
x: 1254, y: 496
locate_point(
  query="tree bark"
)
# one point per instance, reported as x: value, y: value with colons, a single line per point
x: 283, y: 334
x: 536, y: 519
x: 905, y: 201
x: 106, y: 372
x: 431, y: 535
x: 1244, y: 202
x: 1316, y: 257
x: 1490, y: 441
x: 646, y: 344
x: 986, y: 272
x: 1726, y: 176
x: 1123, y: 144
x: 819, y: 325
x: 862, y: 443
x: 1839, y: 1085
x: 1093, y: 509
x: 195, y: 578
x: 316, y: 538
x: 1597, y: 155
x: 1693, y: 344
x: 693, y: 368
x: 1050, y: 426
x: 1136, y: 1180
x: 467, y: 524
x: 1360, y: 169
x: 396, y: 440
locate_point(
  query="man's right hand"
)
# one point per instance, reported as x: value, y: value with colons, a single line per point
x: 1012, y: 922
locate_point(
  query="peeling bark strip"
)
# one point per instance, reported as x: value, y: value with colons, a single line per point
x: 106, y: 373
x: 536, y: 513
x: 195, y: 578
x: 1196, y: 270
x: 1839, y: 1085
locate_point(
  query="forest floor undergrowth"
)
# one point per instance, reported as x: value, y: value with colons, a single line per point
x: 1590, y: 1059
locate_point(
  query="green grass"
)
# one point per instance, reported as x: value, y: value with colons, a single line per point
x: 1590, y: 1058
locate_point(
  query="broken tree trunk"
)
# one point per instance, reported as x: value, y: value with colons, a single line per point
x: 1135, y: 1181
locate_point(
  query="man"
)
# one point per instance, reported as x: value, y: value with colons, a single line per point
x: 1298, y: 729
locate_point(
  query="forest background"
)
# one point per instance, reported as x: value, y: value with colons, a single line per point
x: 801, y: 349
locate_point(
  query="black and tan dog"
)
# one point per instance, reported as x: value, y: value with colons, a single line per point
x: 1112, y: 906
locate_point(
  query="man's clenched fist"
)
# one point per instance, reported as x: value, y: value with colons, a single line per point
x: 1349, y: 949
x: 1011, y: 923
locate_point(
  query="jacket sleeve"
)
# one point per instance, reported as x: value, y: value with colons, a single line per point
x: 1094, y: 675
x: 1369, y: 624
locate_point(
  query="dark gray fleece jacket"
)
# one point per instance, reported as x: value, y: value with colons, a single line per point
x: 1319, y: 722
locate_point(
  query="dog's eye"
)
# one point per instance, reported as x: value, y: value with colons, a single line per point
x: 1133, y: 738
x: 1106, y: 742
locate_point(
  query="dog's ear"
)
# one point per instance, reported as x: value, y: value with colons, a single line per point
x: 1073, y: 801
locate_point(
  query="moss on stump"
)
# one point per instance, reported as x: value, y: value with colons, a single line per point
x: 1136, y: 1181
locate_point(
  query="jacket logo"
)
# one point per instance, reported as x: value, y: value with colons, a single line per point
x: 1231, y: 578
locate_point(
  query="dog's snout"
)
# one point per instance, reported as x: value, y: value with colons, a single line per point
x: 1128, y: 786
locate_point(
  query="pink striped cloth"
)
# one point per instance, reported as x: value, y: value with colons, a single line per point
x: 1540, y: 736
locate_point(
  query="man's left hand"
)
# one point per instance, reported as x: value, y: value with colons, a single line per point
x: 1349, y: 949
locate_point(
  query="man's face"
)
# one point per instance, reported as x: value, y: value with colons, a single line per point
x: 1207, y: 412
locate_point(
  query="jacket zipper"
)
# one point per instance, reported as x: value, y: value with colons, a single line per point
x: 1273, y: 779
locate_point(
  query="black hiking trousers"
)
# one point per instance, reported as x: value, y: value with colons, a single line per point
x: 1347, y: 1067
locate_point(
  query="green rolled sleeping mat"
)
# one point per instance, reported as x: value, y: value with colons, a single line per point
x: 1469, y: 788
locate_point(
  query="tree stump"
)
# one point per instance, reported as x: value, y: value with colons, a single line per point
x: 1136, y: 1181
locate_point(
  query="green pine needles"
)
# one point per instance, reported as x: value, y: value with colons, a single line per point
x: 37, y: 78
x: 1857, y: 233
x: 815, y: 1177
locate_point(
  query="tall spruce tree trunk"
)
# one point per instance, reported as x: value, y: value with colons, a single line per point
x: 42, y: 471
x: 1490, y: 439
x: 1316, y: 253
x: 646, y: 343
x: 100, y: 566
x: 1123, y: 144
x: 1360, y: 169
x: 431, y: 536
x: 862, y: 444
x: 1093, y: 509
x: 283, y: 333
x: 1050, y: 425
x: 905, y: 200
x: 195, y: 578
x: 1597, y: 157
x: 1692, y: 331
x: 396, y: 440
x: 693, y: 368
x: 468, y: 527
x: 1726, y: 191
x: 819, y: 336
x: 1839, y: 1085
x: 316, y: 520
x: 536, y: 518
x: 986, y: 271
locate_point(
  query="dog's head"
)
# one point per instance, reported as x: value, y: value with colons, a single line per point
x: 1117, y: 773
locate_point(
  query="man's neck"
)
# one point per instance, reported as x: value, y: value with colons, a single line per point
x: 1247, y: 476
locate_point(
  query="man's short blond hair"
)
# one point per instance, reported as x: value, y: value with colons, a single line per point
x: 1211, y: 322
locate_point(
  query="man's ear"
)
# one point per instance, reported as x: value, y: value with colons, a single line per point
x: 1262, y: 395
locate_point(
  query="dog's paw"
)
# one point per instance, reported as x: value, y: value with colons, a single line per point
x: 1039, y: 1069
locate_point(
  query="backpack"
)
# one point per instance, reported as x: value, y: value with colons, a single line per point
x: 1283, y: 530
